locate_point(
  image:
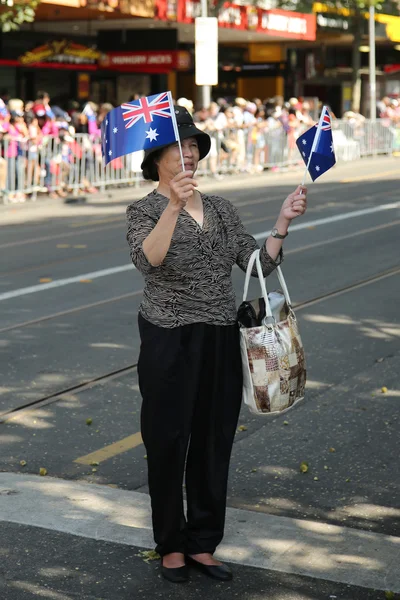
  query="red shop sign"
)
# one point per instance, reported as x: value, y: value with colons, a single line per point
x: 277, y: 23
x: 391, y: 68
x: 140, y: 62
x: 284, y: 23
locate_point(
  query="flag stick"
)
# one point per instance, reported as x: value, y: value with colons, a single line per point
x: 176, y: 129
x: 315, y: 142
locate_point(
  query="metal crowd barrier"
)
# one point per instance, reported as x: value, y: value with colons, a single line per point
x: 60, y: 167
x: 73, y: 165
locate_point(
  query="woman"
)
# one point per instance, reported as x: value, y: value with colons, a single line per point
x: 185, y: 244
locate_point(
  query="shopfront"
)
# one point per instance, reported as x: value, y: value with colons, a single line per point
x: 324, y: 69
x: 30, y: 62
x: 144, y: 72
x: 248, y: 68
x: 70, y: 70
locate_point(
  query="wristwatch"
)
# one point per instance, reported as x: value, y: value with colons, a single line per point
x: 277, y: 235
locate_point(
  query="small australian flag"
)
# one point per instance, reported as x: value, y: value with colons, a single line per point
x: 139, y: 125
x: 317, y: 143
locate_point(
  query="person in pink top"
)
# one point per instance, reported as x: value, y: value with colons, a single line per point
x: 45, y: 122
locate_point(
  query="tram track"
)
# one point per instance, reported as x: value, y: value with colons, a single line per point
x: 79, y: 387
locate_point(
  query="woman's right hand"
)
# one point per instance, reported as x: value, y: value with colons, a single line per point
x: 182, y: 187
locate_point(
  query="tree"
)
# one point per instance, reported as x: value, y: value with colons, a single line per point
x: 16, y: 13
x: 357, y: 9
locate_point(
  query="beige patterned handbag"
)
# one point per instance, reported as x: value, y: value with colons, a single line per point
x: 274, y: 368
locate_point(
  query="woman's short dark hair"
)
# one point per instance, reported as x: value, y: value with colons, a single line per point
x: 150, y: 169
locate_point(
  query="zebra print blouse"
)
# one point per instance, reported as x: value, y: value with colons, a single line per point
x: 193, y: 284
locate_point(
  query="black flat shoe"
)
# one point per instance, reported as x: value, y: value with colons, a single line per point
x: 178, y: 575
x: 220, y: 572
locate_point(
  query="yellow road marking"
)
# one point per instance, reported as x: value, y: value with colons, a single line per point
x: 80, y: 246
x: 45, y: 280
x: 112, y: 450
x: 375, y: 176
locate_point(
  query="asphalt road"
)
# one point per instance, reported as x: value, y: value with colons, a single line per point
x: 69, y: 345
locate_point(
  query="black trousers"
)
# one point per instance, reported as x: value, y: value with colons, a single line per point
x: 190, y: 379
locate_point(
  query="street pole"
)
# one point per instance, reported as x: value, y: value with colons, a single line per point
x: 205, y: 89
x: 372, y: 63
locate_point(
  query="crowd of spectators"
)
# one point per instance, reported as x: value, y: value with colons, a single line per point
x: 32, y: 128
x: 246, y: 136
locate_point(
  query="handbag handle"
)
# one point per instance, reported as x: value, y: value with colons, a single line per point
x: 255, y: 258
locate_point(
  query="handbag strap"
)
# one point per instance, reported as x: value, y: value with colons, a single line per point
x: 284, y: 286
x: 255, y: 258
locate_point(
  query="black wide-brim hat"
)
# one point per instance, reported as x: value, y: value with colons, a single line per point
x: 186, y: 129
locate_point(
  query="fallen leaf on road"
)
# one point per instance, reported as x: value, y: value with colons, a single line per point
x: 286, y: 422
x: 94, y: 464
x: 242, y: 428
x: 42, y: 471
x: 304, y: 467
x: 332, y: 450
x: 316, y: 478
x: 384, y: 390
x: 89, y: 421
x: 22, y: 463
x: 389, y: 595
x: 148, y: 555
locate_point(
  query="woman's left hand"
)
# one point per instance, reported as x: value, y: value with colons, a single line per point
x: 295, y: 204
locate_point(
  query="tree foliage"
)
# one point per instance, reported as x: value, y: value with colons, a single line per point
x: 18, y: 13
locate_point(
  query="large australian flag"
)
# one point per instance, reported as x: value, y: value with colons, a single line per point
x: 139, y: 125
x: 316, y: 146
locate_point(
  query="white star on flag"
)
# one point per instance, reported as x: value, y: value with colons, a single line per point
x: 115, y: 130
x: 317, y: 168
x: 106, y: 121
x: 331, y: 147
x: 304, y: 154
x: 305, y: 142
x: 152, y: 135
x: 109, y: 152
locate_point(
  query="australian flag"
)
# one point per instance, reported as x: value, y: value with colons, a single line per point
x: 316, y: 146
x: 139, y: 125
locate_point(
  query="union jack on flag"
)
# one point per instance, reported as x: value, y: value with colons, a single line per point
x: 326, y: 121
x: 132, y: 112
x: 142, y: 124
